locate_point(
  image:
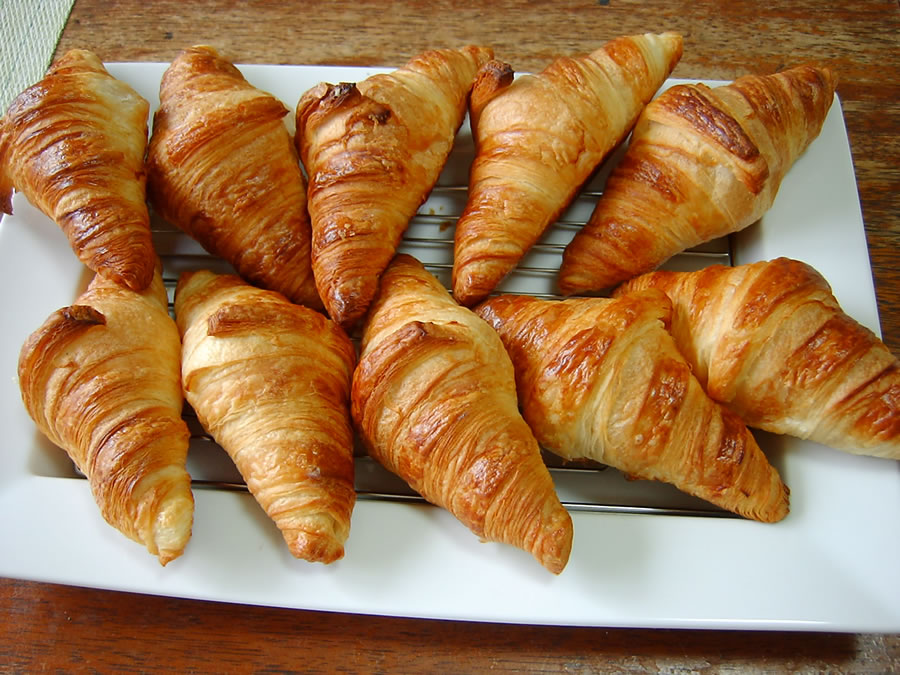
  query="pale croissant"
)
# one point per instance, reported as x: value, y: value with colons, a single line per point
x: 270, y: 382
x: 434, y: 401
x: 373, y: 151
x: 770, y: 341
x: 74, y: 144
x: 222, y: 168
x: 538, y: 138
x: 101, y: 380
x: 702, y: 163
x: 602, y: 379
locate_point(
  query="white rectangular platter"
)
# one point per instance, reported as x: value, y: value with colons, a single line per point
x: 831, y: 565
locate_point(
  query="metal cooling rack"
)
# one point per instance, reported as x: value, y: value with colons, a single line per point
x: 582, y: 486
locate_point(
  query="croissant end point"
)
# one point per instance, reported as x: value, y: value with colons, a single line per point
x: 172, y: 529
x: 313, y: 547
x: 555, y: 561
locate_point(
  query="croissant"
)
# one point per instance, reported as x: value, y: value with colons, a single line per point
x: 702, y: 163
x: 770, y: 341
x: 74, y: 144
x: 373, y: 152
x: 270, y: 381
x: 538, y: 139
x: 101, y: 380
x: 434, y: 401
x: 602, y: 379
x: 221, y: 166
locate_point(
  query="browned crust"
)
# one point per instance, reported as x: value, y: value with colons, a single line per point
x: 696, y: 105
x: 492, y: 78
x: 44, y: 345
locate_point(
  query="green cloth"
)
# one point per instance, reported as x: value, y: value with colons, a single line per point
x: 30, y: 30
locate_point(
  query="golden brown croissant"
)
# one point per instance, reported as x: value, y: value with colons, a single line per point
x: 538, y: 139
x: 270, y: 381
x: 373, y: 152
x: 434, y: 401
x: 702, y: 163
x: 770, y: 341
x: 602, y: 379
x: 101, y: 379
x: 74, y: 144
x: 222, y: 168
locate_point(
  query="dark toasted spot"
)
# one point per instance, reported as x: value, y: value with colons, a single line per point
x: 709, y: 120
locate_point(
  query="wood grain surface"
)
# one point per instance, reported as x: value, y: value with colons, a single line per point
x: 58, y: 628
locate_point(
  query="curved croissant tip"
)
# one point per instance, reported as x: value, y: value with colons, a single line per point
x: 135, y: 279
x: 82, y: 56
x: 492, y: 77
x: 172, y: 528
x: 555, y: 556
x: 477, y: 52
x: 828, y: 75
x: 166, y: 556
x: 201, y: 59
x: 779, y: 507
x: 321, y: 99
x: 501, y: 70
x: 6, y: 182
x: 83, y: 314
x: 469, y: 295
x: 669, y: 43
x: 314, y: 546
x: 185, y: 278
x: 337, y: 93
x: 209, y: 49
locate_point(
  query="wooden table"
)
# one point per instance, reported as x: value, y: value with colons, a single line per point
x: 54, y: 627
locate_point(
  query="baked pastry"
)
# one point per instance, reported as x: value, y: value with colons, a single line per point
x: 538, y: 139
x: 702, y: 163
x: 222, y: 168
x: 373, y: 151
x: 434, y: 401
x: 770, y: 341
x: 74, y: 144
x: 101, y: 379
x: 270, y: 382
x: 602, y: 379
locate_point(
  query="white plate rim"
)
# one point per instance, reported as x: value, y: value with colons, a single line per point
x: 830, y: 566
